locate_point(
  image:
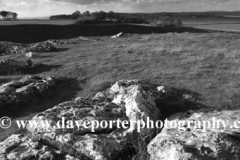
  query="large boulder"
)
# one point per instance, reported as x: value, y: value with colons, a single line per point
x: 197, y: 138
x: 124, y: 101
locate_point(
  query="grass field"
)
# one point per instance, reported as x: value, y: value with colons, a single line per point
x: 31, y: 22
x: 207, y: 64
x: 221, y: 24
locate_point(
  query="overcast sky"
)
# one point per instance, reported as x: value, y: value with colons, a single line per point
x: 39, y: 8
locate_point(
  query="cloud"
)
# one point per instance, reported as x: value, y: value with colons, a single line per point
x: 140, y: 2
x: 51, y: 7
x: 86, y: 2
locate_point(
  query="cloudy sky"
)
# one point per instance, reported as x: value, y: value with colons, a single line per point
x: 39, y: 8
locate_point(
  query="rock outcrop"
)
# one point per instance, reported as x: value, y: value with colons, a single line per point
x: 124, y: 101
x: 195, y: 141
x: 89, y: 128
x: 41, y: 47
x: 46, y: 46
x: 18, y: 93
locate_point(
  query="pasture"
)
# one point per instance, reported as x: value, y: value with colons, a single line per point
x: 42, y: 22
x: 205, y: 64
x: 220, y: 24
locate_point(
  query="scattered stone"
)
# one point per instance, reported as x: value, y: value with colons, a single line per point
x: 117, y: 35
x: 196, y: 141
x: 6, y: 49
x: 13, y: 48
x: 29, y: 54
x: 55, y: 42
x: 41, y: 47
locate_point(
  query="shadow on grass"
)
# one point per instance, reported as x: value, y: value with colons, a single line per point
x: 61, y: 49
x: 65, y: 90
x: 179, y: 100
x: 37, y: 33
x: 39, y: 68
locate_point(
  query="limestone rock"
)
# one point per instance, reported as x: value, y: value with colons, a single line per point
x: 18, y: 147
x: 195, y: 142
x: 117, y: 35
x: 130, y: 100
x: 138, y: 98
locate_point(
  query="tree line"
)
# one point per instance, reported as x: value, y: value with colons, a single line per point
x: 7, y: 15
x: 101, y: 16
x: 130, y: 17
x: 157, y: 19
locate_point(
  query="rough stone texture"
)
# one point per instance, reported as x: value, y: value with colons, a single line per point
x: 194, y: 143
x: 126, y: 100
x: 42, y: 47
x: 46, y: 46
x: 138, y: 98
x: 11, y: 49
x: 18, y: 147
x: 13, y: 66
x: 19, y: 92
x: 55, y: 42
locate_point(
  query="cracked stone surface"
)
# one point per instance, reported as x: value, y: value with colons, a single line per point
x: 196, y: 143
x: 125, y: 100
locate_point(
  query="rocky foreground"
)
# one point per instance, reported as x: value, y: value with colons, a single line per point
x: 129, y: 100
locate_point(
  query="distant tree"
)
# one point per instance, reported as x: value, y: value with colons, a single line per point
x: 111, y: 15
x: 1, y: 15
x: 4, y: 14
x: 86, y: 20
x: 60, y: 17
x: 177, y: 22
x: 100, y: 16
x: 14, y: 16
x: 9, y: 16
x: 167, y: 21
x: 86, y: 13
x: 76, y: 15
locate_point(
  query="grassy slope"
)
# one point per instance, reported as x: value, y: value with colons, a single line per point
x: 206, y: 63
